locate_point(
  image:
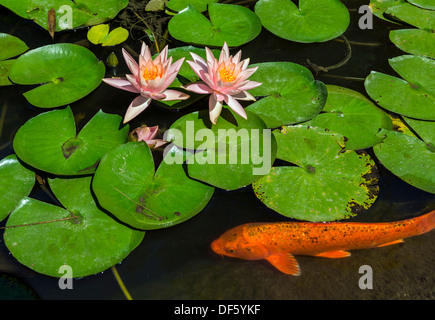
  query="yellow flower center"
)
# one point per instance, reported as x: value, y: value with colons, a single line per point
x: 152, y: 72
x: 227, y: 75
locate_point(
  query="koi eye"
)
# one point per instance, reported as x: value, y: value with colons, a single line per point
x: 230, y: 251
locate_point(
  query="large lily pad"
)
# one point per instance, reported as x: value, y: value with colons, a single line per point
x: 50, y: 142
x: 233, y: 24
x: 229, y: 155
x: 313, y: 21
x: 414, y: 95
x: 354, y: 116
x: 127, y: 185
x: 10, y: 47
x: 415, y: 41
x: 425, y: 4
x: 200, y: 5
x: 90, y: 243
x: 326, y: 183
x: 413, y: 15
x: 289, y: 94
x: 82, y: 12
x: 379, y: 7
x: 16, y: 182
x: 68, y: 72
x: 409, y: 158
x: 424, y: 129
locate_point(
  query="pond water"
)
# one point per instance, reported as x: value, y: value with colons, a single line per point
x: 177, y: 263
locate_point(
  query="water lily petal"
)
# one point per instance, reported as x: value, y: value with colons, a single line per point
x: 156, y: 143
x: 137, y: 106
x: 121, y: 84
x: 198, y: 60
x: 225, y: 53
x: 244, y: 95
x: 246, y: 73
x: 145, y: 52
x: 249, y: 85
x: 235, y: 106
x: 174, y: 95
x: 215, y: 108
x: 199, y: 87
x: 131, y: 63
x: 172, y: 72
x: 163, y: 55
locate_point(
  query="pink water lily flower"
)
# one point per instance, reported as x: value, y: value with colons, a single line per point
x: 147, y: 134
x: 226, y: 80
x: 150, y: 78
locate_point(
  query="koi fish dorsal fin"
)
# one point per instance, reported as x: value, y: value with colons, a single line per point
x: 285, y: 263
x: 390, y: 243
x: 334, y: 254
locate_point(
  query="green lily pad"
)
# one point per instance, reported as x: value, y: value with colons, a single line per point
x: 89, y: 244
x: 313, y: 21
x: 50, y: 142
x: 127, y: 185
x: 16, y: 182
x: 354, y: 116
x: 185, y: 76
x: 425, y: 129
x: 414, y: 95
x: 69, y: 14
x: 290, y: 94
x: 100, y: 35
x: 409, y: 158
x: 415, y: 16
x: 378, y: 7
x: 10, y: 47
x: 233, y: 24
x: 229, y: 155
x: 200, y: 5
x: 415, y: 41
x: 68, y: 72
x: 326, y: 183
x: 425, y: 4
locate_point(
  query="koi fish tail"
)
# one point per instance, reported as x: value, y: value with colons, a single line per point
x: 426, y: 222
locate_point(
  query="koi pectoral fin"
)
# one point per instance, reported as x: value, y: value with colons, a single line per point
x: 285, y: 263
x: 391, y: 242
x: 333, y: 254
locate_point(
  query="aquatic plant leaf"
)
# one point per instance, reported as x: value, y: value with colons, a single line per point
x: 409, y: 158
x: 313, y: 21
x: 11, y: 46
x: 68, y: 72
x: 16, y: 182
x: 425, y: 4
x: 289, y: 94
x: 127, y: 185
x: 424, y: 129
x: 415, y: 16
x: 89, y: 244
x: 100, y: 35
x: 229, y: 23
x: 49, y: 141
x: 230, y: 154
x: 415, y: 41
x: 326, y: 183
x: 185, y: 75
x: 69, y: 14
x: 354, y: 116
x: 414, y: 95
x: 378, y: 8
x: 200, y: 5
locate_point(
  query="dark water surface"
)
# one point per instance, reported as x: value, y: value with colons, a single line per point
x: 177, y: 263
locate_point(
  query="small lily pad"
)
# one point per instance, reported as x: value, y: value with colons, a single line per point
x: 68, y: 72
x: 326, y: 183
x: 354, y: 116
x: 200, y: 5
x: 378, y: 8
x: 415, y: 16
x: 425, y: 4
x: 100, y: 35
x: 409, y: 158
x: 289, y: 94
x: 10, y: 47
x: 415, y: 41
x: 16, y: 182
x: 127, y: 185
x: 414, y: 95
x: 89, y: 244
x: 313, y: 21
x: 50, y: 142
x: 229, y: 23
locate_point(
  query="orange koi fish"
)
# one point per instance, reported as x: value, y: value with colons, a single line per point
x: 278, y: 242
